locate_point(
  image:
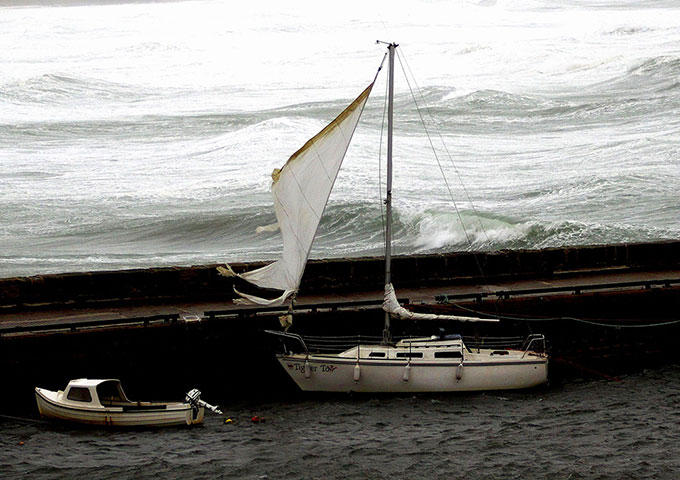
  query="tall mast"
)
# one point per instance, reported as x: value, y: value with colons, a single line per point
x: 387, y: 335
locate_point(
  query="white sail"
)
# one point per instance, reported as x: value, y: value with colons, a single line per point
x: 391, y: 305
x: 301, y: 189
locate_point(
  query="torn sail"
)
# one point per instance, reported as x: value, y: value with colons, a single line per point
x: 301, y: 189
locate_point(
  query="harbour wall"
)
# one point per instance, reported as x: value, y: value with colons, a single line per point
x: 200, y: 283
x: 230, y: 359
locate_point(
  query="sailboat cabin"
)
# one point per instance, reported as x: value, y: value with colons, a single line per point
x: 413, y: 348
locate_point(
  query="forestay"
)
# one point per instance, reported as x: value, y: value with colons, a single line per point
x: 301, y: 189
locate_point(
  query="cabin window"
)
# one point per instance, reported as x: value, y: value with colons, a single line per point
x: 109, y: 392
x: 500, y: 352
x: 409, y: 354
x: 79, y: 394
x: 448, y: 354
x: 377, y: 354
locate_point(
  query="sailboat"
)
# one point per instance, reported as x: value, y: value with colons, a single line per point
x: 439, y: 363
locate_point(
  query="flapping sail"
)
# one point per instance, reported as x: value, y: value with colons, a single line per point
x: 391, y: 305
x: 301, y: 189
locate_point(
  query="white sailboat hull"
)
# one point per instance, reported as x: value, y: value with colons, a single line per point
x: 51, y: 406
x: 331, y: 373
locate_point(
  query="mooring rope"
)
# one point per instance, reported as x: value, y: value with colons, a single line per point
x: 599, y: 323
x: 22, y: 419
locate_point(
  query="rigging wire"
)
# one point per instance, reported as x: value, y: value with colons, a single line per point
x: 411, y: 77
x: 448, y: 154
x: 380, y: 160
x: 404, y: 65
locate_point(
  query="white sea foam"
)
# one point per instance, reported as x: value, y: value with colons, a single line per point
x: 153, y: 128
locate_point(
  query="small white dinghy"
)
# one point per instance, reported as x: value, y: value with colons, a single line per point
x: 103, y: 402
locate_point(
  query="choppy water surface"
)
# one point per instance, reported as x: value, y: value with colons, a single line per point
x: 143, y: 134
x: 606, y: 430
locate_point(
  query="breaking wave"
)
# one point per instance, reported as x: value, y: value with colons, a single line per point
x: 435, y: 231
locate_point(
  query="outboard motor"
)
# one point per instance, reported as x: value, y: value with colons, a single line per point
x: 194, y: 399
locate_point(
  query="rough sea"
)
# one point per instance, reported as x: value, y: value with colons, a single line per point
x: 144, y: 134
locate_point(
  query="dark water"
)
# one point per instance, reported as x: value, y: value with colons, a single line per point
x: 605, y: 430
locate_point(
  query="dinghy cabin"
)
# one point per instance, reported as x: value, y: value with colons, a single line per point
x: 96, y: 392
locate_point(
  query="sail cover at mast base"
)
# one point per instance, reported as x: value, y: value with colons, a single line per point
x: 301, y: 189
x: 391, y: 305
